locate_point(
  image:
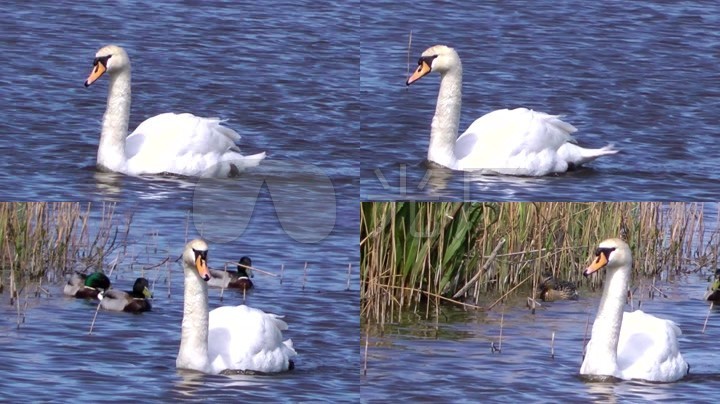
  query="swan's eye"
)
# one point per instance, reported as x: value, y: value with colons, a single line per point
x: 200, y: 253
x: 427, y: 60
x: 102, y: 60
x: 604, y: 251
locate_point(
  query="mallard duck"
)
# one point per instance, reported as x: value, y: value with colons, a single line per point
x: 628, y: 345
x: 713, y: 293
x: 134, y: 301
x: 86, y: 286
x: 552, y: 289
x: 230, y: 338
x: 232, y: 279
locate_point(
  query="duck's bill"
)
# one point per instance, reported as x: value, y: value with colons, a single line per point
x: 97, y: 71
x: 422, y: 69
x: 202, y: 268
x: 147, y: 293
x: 598, y: 263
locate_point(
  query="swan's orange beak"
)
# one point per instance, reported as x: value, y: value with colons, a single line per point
x: 96, y: 72
x: 422, y: 69
x: 598, y: 263
x: 202, y: 268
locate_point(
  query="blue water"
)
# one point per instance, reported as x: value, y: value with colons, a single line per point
x: 642, y: 76
x: 278, y: 72
x: 449, y: 357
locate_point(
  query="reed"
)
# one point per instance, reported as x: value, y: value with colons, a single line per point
x: 417, y: 254
x: 41, y: 241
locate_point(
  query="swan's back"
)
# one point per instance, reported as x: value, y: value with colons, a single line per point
x: 244, y: 338
x: 184, y: 144
x: 526, y: 140
x: 648, y: 348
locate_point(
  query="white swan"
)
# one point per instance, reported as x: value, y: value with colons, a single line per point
x: 516, y: 142
x: 227, y: 338
x: 634, y: 345
x: 167, y: 143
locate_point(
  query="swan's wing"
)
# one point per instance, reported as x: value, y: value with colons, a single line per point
x: 648, y: 348
x: 244, y: 338
x: 184, y: 144
x: 518, y: 139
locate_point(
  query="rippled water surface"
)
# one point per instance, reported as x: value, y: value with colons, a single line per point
x: 278, y: 72
x: 450, y: 359
x: 640, y: 76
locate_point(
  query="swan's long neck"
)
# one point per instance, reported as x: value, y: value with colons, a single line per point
x: 446, y: 122
x: 601, y: 357
x: 111, y: 152
x: 194, y: 340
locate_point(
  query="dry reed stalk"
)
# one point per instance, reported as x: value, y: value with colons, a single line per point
x: 167, y: 265
x: 552, y: 346
x: 365, y: 355
x: 348, y: 276
x: 587, y: 324
x: 254, y: 268
x: 534, y: 291
x: 502, y: 322
x: 304, y: 275
x: 443, y: 298
x: 484, y: 268
x: 509, y: 291
x: 222, y: 288
x: 712, y: 304
x: 97, y: 309
x: 409, y: 50
x: 282, y: 270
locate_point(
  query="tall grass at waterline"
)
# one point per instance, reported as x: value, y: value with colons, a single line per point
x: 41, y: 241
x: 413, y: 252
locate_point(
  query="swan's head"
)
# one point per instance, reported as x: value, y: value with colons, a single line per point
x: 110, y: 59
x: 438, y: 58
x: 612, y: 253
x: 195, y: 258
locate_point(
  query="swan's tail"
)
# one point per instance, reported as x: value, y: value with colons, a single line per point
x: 577, y: 156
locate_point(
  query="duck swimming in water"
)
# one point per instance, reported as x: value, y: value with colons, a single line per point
x: 552, y: 289
x: 86, y: 286
x: 231, y: 279
x: 134, y: 301
x: 713, y: 293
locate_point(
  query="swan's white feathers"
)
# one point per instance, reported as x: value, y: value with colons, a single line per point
x: 242, y: 337
x: 518, y: 138
x: 648, y: 348
x: 179, y: 143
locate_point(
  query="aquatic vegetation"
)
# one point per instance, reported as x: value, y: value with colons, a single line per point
x: 414, y: 253
x: 41, y: 241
